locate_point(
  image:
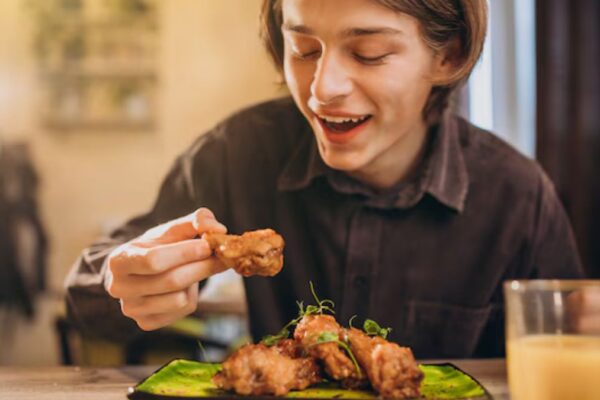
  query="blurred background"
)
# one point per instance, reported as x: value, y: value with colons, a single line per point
x: 97, y: 97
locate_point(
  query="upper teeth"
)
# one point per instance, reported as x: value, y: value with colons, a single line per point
x: 339, y: 120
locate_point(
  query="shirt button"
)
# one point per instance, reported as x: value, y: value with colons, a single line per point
x: 360, y: 281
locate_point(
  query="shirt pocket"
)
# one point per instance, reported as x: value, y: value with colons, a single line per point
x: 440, y: 330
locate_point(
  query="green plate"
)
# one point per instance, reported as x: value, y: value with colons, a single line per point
x: 189, y: 380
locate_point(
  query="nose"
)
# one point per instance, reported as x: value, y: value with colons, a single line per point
x: 331, y: 81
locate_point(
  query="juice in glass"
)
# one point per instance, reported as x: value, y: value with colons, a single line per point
x: 553, y: 339
x: 548, y: 367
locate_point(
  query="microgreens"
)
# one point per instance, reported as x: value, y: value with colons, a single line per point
x: 284, y: 333
x: 322, y: 304
x: 372, y: 328
x: 332, y: 337
x: 350, y: 321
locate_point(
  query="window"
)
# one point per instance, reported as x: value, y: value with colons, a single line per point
x: 502, y: 88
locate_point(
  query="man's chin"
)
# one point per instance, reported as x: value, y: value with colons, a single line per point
x: 345, y: 160
x: 345, y: 164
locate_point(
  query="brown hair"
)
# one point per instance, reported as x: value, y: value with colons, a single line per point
x: 442, y: 21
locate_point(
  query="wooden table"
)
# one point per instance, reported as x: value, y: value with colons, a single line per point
x: 75, y: 383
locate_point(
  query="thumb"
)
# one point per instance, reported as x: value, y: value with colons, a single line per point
x: 183, y: 228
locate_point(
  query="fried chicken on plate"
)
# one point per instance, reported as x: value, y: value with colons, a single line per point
x: 256, y: 369
x: 392, y: 370
x: 257, y: 252
x: 357, y: 359
x: 336, y: 361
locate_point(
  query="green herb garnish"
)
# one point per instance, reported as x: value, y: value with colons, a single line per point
x: 372, y: 328
x: 332, y: 337
x: 350, y: 321
x: 284, y: 333
x: 320, y: 308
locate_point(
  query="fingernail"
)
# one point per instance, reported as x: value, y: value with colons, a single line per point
x: 217, y: 225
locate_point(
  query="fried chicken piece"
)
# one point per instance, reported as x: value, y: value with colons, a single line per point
x: 337, y: 364
x: 256, y: 369
x: 290, y: 348
x: 392, y: 369
x: 252, y: 253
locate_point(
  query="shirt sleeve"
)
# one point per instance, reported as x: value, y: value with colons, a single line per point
x: 89, y: 307
x: 554, y: 251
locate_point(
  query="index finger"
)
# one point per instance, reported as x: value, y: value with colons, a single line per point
x: 139, y: 260
x: 187, y: 227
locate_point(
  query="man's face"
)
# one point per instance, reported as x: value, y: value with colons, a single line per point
x: 361, y: 74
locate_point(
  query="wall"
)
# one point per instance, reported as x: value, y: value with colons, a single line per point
x: 91, y: 180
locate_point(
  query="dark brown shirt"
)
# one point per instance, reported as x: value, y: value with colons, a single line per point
x: 426, y: 258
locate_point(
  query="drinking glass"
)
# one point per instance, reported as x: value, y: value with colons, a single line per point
x: 553, y: 339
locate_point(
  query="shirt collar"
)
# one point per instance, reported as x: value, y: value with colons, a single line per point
x: 449, y: 179
x: 304, y: 165
x: 443, y: 174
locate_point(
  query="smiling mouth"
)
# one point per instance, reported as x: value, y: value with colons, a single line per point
x: 342, y: 125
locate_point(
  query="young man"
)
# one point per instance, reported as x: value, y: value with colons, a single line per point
x: 395, y: 209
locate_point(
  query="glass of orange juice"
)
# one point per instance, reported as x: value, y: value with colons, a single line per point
x: 553, y: 339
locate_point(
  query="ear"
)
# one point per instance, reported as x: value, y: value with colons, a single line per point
x: 447, y: 62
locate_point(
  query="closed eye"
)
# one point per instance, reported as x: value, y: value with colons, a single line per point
x: 371, y: 60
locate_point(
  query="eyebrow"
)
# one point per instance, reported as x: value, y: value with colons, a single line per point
x: 350, y: 32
